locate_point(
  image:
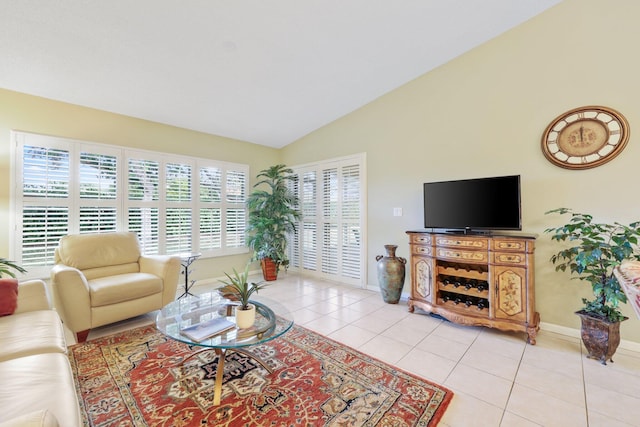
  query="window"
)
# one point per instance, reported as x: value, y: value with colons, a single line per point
x: 328, y: 240
x: 174, y: 203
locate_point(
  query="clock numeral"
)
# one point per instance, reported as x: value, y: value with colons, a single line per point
x: 615, y: 132
x: 581, y: 115
x: 584, y: 160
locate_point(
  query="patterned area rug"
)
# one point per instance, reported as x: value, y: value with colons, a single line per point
x: 136, y: 378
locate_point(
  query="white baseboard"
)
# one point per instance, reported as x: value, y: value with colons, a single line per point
x: 575, y: 333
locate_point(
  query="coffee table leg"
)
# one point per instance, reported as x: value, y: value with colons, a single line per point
x: 221, y: 352
x: 217, y: 392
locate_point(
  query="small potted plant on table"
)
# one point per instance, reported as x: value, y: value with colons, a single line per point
x: 594, y: 250
x: 239, y: 289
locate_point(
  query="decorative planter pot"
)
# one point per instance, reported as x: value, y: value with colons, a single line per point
x: 599, y: 336
x: 391, y: 273
x: 245, y: 318
x: 269, y: 269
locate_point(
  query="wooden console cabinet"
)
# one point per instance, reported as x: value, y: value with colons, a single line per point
x: 485, y: 280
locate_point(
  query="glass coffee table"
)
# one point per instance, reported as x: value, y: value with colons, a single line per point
x: 272, y: 320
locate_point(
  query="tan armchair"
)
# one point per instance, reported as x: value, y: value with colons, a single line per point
x: 103, y: 278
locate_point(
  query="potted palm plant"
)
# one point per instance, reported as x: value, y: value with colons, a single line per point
x: 273, y: 214
x: 593, y: 251
x: 7, y: 268
x: 239, y: 289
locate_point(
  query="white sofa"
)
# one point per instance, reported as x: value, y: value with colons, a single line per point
x: 103, y: 278
x: 37, y: 387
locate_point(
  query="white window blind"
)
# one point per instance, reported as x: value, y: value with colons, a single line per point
x: 174, y: 203
x: 329, y: 242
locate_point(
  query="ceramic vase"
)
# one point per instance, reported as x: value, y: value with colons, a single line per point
x: 245, y: 318
x: 391, y: 273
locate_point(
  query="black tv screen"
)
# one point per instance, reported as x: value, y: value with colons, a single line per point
x: 482, y: 204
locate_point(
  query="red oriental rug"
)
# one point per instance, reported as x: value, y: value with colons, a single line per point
x: 135, y: 378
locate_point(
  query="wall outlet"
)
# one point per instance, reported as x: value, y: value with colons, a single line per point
x: 397, y: 211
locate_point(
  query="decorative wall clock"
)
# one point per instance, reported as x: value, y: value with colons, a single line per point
x: 585, y: 137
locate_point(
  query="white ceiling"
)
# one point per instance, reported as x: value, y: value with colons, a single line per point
x: 267, y: 72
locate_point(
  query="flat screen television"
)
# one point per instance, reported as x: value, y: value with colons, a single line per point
x: 468, y: 205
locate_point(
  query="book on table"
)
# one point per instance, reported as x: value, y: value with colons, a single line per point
x: 207, y: 329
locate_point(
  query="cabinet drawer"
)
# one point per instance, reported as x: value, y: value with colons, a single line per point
x: 421, y: 250
x: 460, y: 255
x: 509, y: 245
x: 421, y: 239
x: 509, y: 258
x: 462, y: 242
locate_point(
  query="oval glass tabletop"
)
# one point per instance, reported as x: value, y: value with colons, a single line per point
x: 207, y: 310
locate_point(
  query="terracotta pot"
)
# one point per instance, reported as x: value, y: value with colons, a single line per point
x: 269, y: 269
x: 599, y: 336
x: 245, y: 318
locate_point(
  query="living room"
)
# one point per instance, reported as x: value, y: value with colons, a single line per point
x: 481, y: 114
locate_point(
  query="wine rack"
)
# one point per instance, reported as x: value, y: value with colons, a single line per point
x: 475, y: 280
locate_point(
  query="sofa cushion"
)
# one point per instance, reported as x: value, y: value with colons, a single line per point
x: 41, y: 418
x: 39, y: 382
x: 8, y: 296
x: 123, y: 287
x: 83, y: 251
x: 30, y: 333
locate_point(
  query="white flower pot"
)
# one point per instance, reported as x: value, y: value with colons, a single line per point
x: 245, y: 318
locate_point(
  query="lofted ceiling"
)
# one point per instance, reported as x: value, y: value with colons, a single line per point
x: 266, y: 72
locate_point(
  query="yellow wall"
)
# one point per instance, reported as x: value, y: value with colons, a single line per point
x: 483, y: 114
x: 39, y: 115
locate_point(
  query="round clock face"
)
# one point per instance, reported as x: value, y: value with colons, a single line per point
x: 585, y: 137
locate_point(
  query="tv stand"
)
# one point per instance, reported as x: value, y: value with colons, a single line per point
x: 482, y: 280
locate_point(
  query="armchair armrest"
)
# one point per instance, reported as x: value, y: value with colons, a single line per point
x: 32, y: 296
x: 71, y: 297
x: 166, y: 267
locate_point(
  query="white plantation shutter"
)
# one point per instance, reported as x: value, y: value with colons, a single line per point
x: 44, y: 202
x: 351, y: 221
x: 330, y: 229
x: 235, y: 211
x: 178, y: 213
x: 98, y: 210
x: 145, y: 222
x: 211, y: 210
x: 308, y: 225
x: 143, y: 195
x: 64, y: 186
x: 293, y: 246
x: 330, y: 218
x: 178, y: 230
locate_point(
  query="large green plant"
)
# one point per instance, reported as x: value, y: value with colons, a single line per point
x: 595, y: 249
x: 272, y: 214
x: 7, y: 266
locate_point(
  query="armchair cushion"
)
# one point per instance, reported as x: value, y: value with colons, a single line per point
x: 123, y: 287
x: 87, y: 251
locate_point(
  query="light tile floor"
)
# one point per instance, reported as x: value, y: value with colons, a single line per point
x: 497, y: 378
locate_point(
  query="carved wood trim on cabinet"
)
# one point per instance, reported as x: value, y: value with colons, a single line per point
x: 475, y: 280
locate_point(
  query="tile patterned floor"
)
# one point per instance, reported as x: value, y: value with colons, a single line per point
x: 497, y: 378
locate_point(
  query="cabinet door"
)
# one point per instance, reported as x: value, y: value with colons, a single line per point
x: 510, y: 296
x: 422, y: 280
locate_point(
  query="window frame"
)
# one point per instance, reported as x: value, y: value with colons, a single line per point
x: 74, y: 200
